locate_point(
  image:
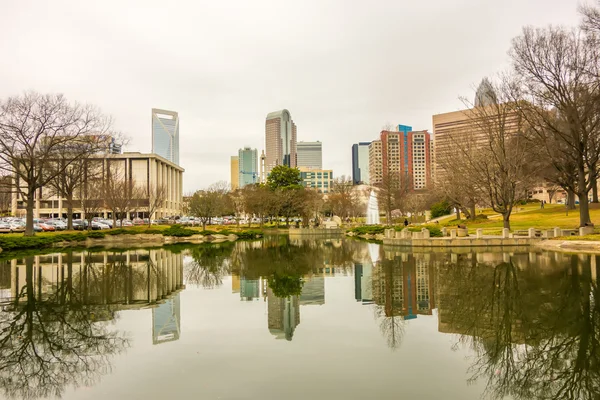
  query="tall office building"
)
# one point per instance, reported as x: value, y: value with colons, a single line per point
x: 403, y: 154
x: 166, y: 321
x: 310, y: 155
x: 360, y: 163
x: 235, y: 172
x: 280, y: 140
x: 283, y: 315
x: 457, y: 128
x: 165, y: 134
x: 248, y: 167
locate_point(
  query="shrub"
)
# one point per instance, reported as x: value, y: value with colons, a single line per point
x: 96, y: 235
x: 368, y: 229
x: 440, y: 209
x: 249, y: 234
x: 178, y: 231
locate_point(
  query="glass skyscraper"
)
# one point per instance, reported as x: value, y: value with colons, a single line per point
x: 165, y: 134
x: 248, y: 167
x: 360, y: 163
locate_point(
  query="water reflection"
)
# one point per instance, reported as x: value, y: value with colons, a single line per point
x: 528, y: 321
x: 532, y: 321
x: 57, y: 314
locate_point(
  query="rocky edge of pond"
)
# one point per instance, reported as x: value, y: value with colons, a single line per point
x: 122, y: 240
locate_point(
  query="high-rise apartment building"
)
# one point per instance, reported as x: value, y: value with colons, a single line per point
x: 360, y: 163
x: 310, y: 155
x: 235, y: 172
x: 402, y: 154
x: 375, y: 163
x: 280, y: 140
x: 248, y: 167
x: 165, y: 134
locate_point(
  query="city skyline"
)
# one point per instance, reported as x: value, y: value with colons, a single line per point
x: 332, y: 79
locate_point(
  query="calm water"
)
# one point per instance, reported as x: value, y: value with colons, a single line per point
x: 300, y: 320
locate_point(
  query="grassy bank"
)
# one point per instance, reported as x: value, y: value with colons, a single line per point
x: 17, y: 241
x: 527, y: 216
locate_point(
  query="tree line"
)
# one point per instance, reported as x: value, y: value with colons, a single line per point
x: 537, y: 124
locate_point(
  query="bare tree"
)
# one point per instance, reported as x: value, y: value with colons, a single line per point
x: 6, y: 191
x: 66, y: 183
x: 157, y: 195
x: 35, y: 130
x: 499, y: 161
x: 393, y: 189
x: 342, y: 198
x: 255, y: 199
x: 558, y: 72
x: 122, y: 196
x: 91, y: 194
x: 591, y: 18
x: 206, y: 204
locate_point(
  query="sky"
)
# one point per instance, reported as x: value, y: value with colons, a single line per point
x: 343, y: 68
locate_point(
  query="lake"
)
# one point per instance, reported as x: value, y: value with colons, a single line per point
x: 291, y: 319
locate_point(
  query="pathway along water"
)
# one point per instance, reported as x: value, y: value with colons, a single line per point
x: 331, y: 319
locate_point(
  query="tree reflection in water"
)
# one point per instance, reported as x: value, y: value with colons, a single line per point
x: 49, y: 342
x: 210, y: 264
x: 535, y: 329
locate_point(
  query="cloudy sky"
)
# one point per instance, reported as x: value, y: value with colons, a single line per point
x: 343, y: 68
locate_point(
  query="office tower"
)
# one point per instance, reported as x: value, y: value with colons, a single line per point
x: 280, y: 140
x: 313, y: 291
x: 248, y: 166
x: 450, y: 129
x: 249, y: 289
x: 165, y: 134
x: 310, y: 155
x: 283, y: 315
x: 360, y: 163
x: 401, y: 155
x: 166, y: 321
x: 235, y: 172
x: 320, y: 179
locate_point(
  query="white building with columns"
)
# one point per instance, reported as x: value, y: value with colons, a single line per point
x: 146, y: 171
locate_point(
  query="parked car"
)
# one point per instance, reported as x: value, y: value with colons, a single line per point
x: 5, y: 227
x: 78, y: 225
x: 37, y: 228
x: 46, y: 227
x: 57, y: 224
x: 99, y: 225
x: 17, y: 227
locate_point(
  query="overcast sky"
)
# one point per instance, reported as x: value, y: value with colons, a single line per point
x: 343, y: 68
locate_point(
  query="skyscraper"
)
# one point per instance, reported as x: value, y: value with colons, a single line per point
x: 166, y: 321
x: 310, y: 155
x: 235, y: 172
x: 248, y: 167
x: 360, y: 163
x: 165, y: 134
x: 280, y: 140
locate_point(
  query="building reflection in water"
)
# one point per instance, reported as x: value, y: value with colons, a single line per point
x: 57, y: 308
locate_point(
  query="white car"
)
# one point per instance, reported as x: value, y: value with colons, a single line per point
x: 99, y: 225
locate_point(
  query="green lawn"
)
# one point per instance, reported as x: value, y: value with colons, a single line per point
x: 528, y: 216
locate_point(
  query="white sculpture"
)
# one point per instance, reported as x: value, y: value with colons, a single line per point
x: 372, y: 210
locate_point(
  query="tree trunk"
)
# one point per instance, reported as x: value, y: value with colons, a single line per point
x: 570, y: 200
x: 473, y: 211
x: 595, y: 190
x: 70, y: 212
x: 458, y: 213
x: 203, y: 225
x: 506, y: 220
x: 114, y: 215
x: 584, y: 209
x: 29, y: 215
